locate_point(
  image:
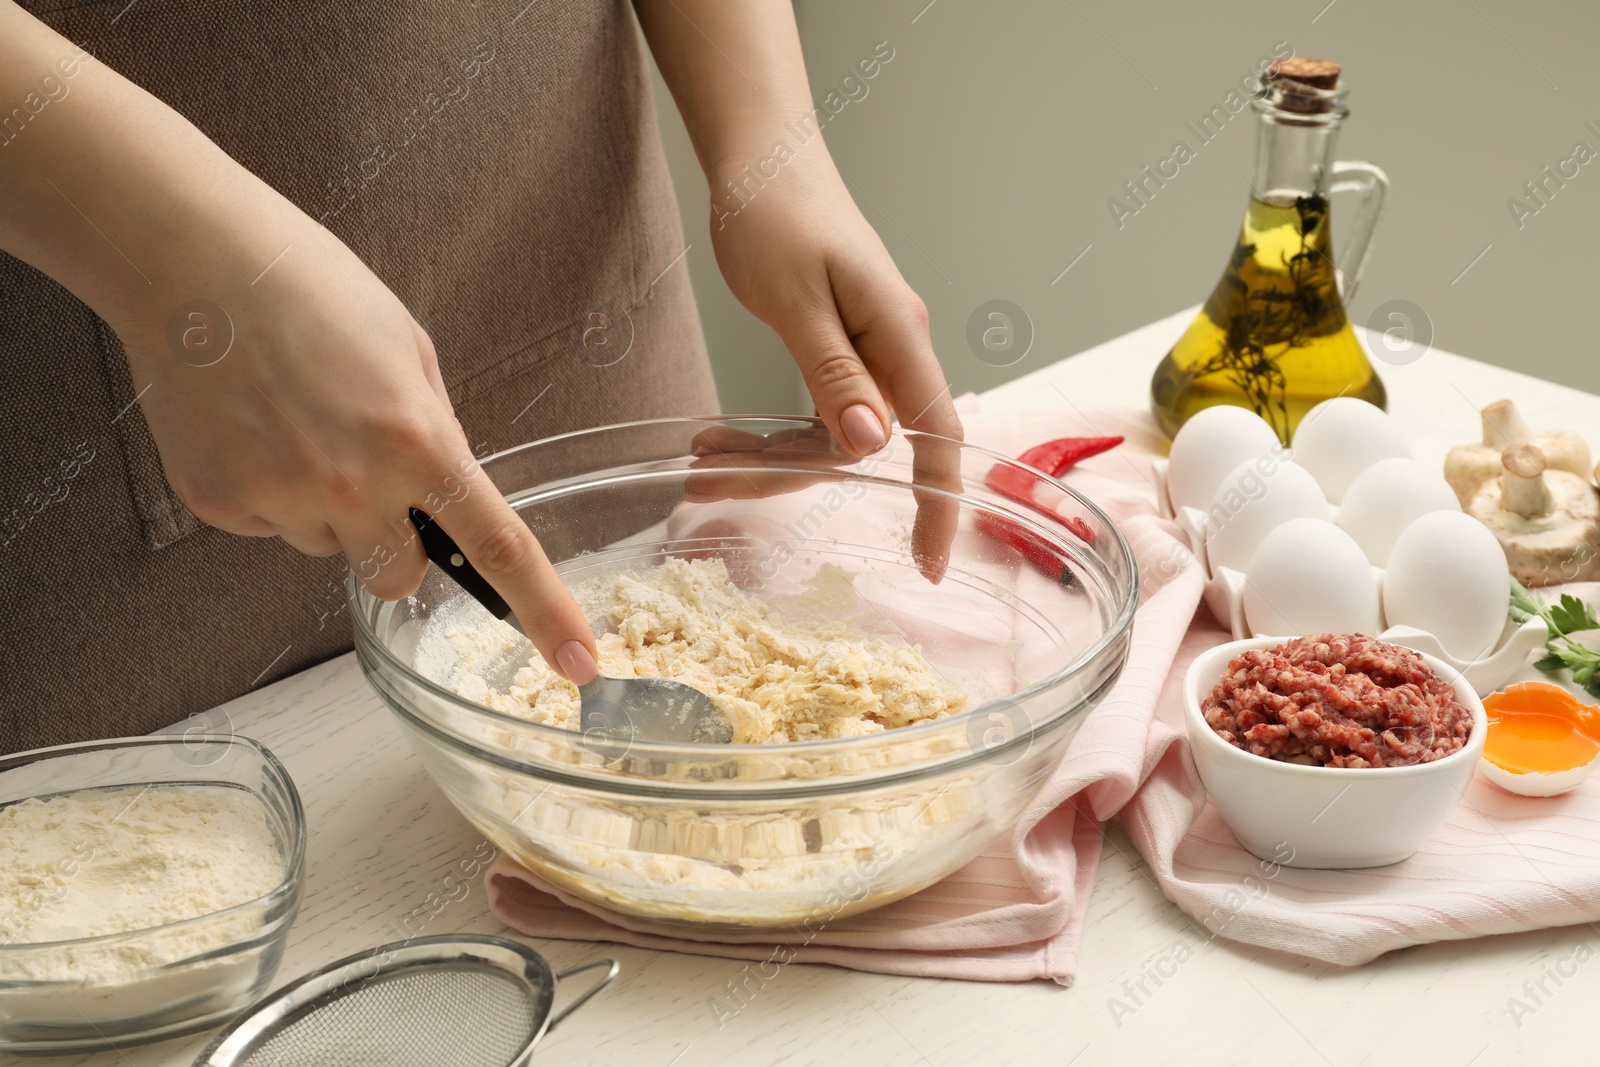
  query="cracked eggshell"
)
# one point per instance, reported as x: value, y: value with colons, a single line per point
x: 1448, y: 575
x: 1213, y: 442
x: 1310, y: 577
x: 1340, y: 438
x: 1253, y: 499
x: 1386, y: 498
x: 1537, y: 783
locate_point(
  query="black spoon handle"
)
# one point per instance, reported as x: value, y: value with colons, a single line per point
x: 442, y: 549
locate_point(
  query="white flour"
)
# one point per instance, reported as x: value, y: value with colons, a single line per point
x: 107, y: 861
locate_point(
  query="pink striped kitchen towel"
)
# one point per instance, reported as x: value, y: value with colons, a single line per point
x: 1501, y: 864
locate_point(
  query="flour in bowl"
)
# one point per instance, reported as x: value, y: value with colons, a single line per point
x: 791, y: 668
x: 108, y: 861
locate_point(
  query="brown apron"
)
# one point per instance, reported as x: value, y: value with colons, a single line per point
x: 496, y: 164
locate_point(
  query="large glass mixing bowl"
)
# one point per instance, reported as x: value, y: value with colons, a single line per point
x: 1030, y: 619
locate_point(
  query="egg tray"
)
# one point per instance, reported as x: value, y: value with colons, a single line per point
x: 1224, y: 595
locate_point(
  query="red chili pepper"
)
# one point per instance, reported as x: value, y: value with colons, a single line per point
x: 1039, y: 553
x: 1054, y: 458
x: 1057, y: 457
x: 1079, y: 527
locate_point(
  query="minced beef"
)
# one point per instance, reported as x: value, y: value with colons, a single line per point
x: 1337, y: 700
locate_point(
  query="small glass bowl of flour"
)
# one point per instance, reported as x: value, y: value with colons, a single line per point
x: 147, y: 886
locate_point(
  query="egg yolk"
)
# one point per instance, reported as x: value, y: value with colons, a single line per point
x: 1540, y: 728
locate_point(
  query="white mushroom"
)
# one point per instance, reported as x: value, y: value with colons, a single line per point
x: 1504, y: 426
x: 1467, y: 467
x: 1548, y: 521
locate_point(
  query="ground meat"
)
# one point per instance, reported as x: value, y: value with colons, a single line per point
x: 1337, y: 700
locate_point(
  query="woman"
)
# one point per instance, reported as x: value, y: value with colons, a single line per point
x: 285, y: 273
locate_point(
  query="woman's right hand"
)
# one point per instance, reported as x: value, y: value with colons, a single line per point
x: 289, y: 392
x: 305, y: 402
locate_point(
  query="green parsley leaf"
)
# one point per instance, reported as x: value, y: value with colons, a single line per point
x: 1572, y: 615
x: 1549, y: 663
x: 1575, y: 656
x: 1524, y: 605
x: 1569, y: 615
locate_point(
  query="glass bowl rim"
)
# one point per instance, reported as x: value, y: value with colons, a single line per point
x: 294, y: 863
x: 1117, y: 627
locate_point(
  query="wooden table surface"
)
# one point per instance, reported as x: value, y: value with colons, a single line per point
x: 382, y: 839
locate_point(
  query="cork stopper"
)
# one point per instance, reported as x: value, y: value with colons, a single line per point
x: 1317, y: 73
x: 1304, y: 84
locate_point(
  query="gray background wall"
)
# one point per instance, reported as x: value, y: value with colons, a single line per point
x: 991, y: 142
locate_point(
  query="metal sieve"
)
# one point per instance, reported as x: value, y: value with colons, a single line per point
x: 463, y: 999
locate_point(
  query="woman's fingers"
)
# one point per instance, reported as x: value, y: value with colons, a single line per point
x: 896, y: 347
x: 388, y: 558
x: 936, y: 481
x: 888, y: 324
x: 872, y: 353
x: 312, y: 537
x: 430, y: 362
x: 502, y: 549
x: 717, y: 440
x: 245, y: 526
x: 846, y: 396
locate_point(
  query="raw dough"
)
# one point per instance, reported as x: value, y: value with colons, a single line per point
x: 783, y: 669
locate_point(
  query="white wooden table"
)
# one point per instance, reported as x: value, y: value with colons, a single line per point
x: 382, y: 838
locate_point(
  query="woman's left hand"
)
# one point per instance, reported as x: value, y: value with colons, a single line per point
x: 798, y: 254
x: 796, y: 251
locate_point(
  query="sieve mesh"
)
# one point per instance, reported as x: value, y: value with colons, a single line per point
x: 464, y: 1015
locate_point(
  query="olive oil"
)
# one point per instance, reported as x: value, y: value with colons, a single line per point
x: 1273, y: 335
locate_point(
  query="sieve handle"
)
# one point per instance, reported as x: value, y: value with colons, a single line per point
x: 611, y: 969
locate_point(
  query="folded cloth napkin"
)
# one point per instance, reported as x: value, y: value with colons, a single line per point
x: 1501, y: 864
x: 1016, y: 912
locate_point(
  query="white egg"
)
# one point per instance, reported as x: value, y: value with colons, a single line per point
x: 1213, y: 442
x: 1310, y: 577
x: 1386, y: 498
x: 1447, y: 574
x: 1340, y: 438
x: 1253, y: 499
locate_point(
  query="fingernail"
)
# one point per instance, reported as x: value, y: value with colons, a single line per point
x: 576, y: 663
x: 862, y: 430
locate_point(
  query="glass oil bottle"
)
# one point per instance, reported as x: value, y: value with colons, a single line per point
x: 1273, y: 335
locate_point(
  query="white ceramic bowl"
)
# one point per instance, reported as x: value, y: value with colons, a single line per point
x: 1339, y: 817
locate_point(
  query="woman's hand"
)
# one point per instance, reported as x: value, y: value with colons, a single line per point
x: 798, y: 254
x: 793, y: 246
x: 304, y: 401
x: 289, y: 392
x: 795, y: 249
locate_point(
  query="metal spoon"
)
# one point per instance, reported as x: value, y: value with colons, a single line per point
x: 623, y: 709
